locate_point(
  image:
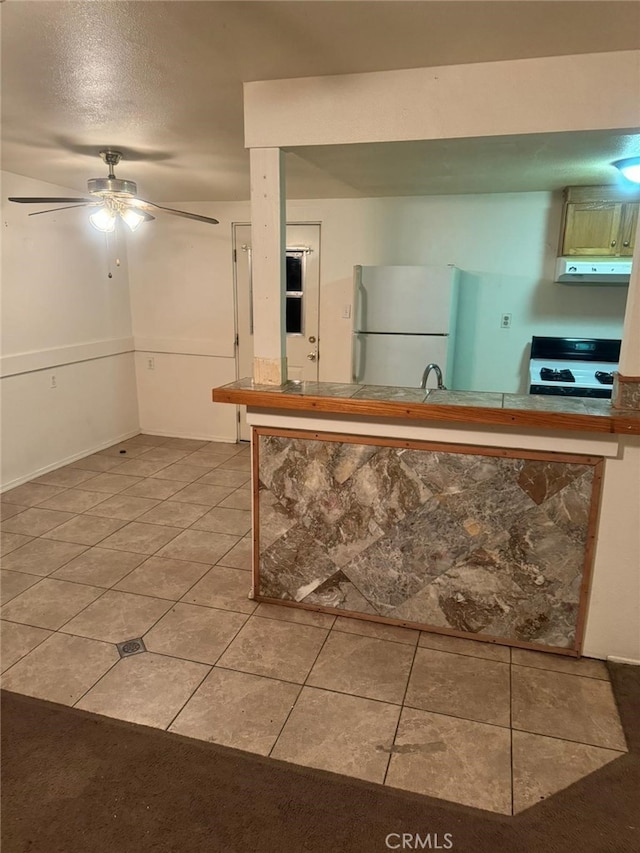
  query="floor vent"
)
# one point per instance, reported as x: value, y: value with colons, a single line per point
x: 131, y: 647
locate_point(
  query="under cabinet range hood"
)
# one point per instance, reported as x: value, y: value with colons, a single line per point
x: 586, y: 271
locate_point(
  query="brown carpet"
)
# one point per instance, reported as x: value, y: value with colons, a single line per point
x: 74, y: 782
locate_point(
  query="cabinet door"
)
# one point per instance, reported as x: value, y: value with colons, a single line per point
x: 628, y: 226
x: 592, y: 228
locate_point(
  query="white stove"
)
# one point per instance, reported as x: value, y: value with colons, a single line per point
x: 573, y: 367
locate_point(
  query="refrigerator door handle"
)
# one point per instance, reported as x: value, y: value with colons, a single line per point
x: 360, y: 301
x: 359, y: 356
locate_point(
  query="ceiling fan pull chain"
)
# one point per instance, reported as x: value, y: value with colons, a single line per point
x: 106, y: 240
x: 116, y: 237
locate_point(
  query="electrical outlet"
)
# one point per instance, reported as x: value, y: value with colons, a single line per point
x: 151, y: 363
x: 505, y: 321
x: 52, y: 381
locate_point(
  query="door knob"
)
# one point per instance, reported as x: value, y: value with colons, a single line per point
x: 312, y: 356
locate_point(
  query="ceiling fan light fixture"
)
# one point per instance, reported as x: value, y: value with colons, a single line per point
x: 131, y: 218
x: 112, y: 186
x: 113, y: 198
x: 103, y: 219
x: 629, y: 168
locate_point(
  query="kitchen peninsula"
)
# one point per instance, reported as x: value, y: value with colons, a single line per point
x: 473, y: 514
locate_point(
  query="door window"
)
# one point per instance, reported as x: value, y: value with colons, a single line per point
x: 295, y: 292
x: 294, y: 287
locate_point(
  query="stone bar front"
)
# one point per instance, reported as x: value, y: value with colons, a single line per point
x: 483, y: 543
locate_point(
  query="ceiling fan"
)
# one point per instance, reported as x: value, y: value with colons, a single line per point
x: 113, y: 198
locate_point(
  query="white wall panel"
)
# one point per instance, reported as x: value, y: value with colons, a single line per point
x: 174, y: 397
x: 92, y: 406
x: 56, y: 289
x: 181, y: 274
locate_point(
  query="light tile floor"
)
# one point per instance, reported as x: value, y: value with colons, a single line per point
x: 151, y: 538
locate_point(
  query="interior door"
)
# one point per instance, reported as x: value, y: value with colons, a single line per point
x: 302, y: 305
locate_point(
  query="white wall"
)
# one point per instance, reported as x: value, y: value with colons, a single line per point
x: 505, y: 244
x: 183, y: 309
x: 62, y: 316
x: 613, y: 622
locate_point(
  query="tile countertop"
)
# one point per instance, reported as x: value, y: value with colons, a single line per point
x: 570, y: 414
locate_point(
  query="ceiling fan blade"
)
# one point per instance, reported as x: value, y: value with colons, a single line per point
x: 148, y: 217
x: 69, y: 207
x: 36, y: 200
x: 196, y: 216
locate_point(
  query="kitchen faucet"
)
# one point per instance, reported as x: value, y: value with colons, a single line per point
x: 438, y: 373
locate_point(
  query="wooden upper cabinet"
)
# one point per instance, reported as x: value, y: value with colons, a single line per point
x: 628, y: 225
x: 599, y: 221
x: 592, y: 228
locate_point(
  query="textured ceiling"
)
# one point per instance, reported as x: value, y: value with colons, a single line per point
x: 162, y: 81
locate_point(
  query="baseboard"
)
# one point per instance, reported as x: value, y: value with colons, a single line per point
x: 69, y: 459
x: 190, y: 435
x: 630, y: 661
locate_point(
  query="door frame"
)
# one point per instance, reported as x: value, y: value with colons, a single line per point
x: 235, y: 248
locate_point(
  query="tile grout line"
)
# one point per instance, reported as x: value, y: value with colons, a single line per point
x: 42, y: 577
x: 511, y: 783
x: 191, y: 695
x: 211, y: 668
x: 402, y: 707
x: 464, y: 654
x: 372, y: 637
x: 71, y: 618
x: 569, y: 740
x: 304, y: 684
x: 95, y: 684
x: 39, y: 643
x: 564, y: 672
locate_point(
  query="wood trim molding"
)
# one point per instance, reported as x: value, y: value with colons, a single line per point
x: 186, y: 346
x: 29, y: 362
x: 439, y: 446
x: 617, y: 421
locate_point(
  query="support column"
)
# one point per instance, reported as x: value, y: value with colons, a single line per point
x: 268, y: 229
x: 626, y: 383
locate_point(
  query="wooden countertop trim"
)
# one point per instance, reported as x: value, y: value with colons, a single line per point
x: 367, y: 408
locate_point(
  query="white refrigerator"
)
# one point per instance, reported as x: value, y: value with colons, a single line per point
x: 404, y: 319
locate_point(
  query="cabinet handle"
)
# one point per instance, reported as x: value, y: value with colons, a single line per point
x: 613, y: 242
x: 626, y: 243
